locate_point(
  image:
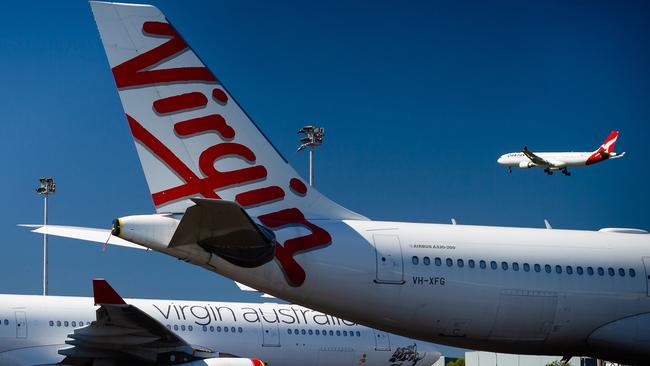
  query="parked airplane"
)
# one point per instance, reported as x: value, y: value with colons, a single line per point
x: 227, y: 201
x: 560, y: 160
x: 39, y: 330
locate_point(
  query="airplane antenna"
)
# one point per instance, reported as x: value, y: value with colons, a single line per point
x: 313, y: 137
x: 453, y: 221
x: 547, y: 224
x: 47, y: 187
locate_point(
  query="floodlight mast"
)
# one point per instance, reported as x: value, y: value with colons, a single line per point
x: 47, y: 187
x: 313, y: 137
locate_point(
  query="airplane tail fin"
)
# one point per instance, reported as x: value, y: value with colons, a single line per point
x: 193, y: 139
x: 608, y: 145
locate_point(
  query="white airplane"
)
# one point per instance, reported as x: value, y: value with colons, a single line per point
x: 527, y: 159
x: 227, y: 201
x: 39, y: 330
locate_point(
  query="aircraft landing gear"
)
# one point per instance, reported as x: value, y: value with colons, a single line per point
x: 548, y: 171
x: 566, y: 172
x: 509, y: 169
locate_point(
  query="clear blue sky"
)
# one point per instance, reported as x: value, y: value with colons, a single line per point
x: 418, y: 101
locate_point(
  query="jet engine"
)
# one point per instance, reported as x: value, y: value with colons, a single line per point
x: 526, y: 164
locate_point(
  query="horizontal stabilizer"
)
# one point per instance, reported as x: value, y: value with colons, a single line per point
x: 224, y: 228
x: 83, y: 233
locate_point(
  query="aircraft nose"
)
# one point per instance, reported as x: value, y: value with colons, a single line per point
x: 501, y: 159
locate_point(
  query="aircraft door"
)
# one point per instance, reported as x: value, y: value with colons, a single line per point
x: 390, y: 263
x: 21, y: 324
x: 382, y: 342
x: 270, y: 331
x: 646, y: 263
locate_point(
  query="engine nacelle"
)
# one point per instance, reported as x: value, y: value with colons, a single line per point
x: 225, y: 361
x: 526, y: 164
x: 151, y: 231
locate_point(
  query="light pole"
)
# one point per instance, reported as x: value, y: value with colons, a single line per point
x: 313, y: 137
x: 48, y: 187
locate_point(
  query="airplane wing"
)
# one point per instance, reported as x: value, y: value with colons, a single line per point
x: 538, y: 160
x: 83, y: 233
x: 124, y: 332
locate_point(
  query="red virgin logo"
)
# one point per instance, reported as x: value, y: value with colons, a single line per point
x: 138, y: 72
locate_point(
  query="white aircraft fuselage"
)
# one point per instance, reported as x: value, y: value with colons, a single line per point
x: 561, y: 160
x: 566, y: 159
x: 34, y: 328
x: 556, y: 292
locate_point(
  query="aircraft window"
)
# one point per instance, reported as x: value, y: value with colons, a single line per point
x: 438, y: 261
x: 538, y: 268
x: 526, y: 267
x: 601, y: 271
x: 175, y: 326
x: 81, y: 323
x: 74, y: 323
x: 205, y: 328
x: 558, y: 269
x: 169, y: 327
x: 547, y: 268
x: 482, y: 264
x: 621, y: 272
x: 504, y: 266
x: 338, y: 333
x: 296, y: 331
x: 225, y: 329
x: 460, y: 263
x: 569, y: 270
x: 240, y: 330
x: 324, y: 332
x: 58, y: 323
x: 579, y: 270
x: 345, y: 333
x: 66, y: 323
x: 219, y: 329
x: 87, y: 323
x: 311, y: 332
x: 415, y: 260
x: 289, y: 331
x: 611, y: 272
x: 358, y: 334
x: 183, y: 327
x: 471, y: 263
x: 212, y: 328
x: 590, y: 271
x: 317, y: 332
x: 426, y: 261
x: 302, y: 331
x: 51, y: 323
x: 493, y: 265
x: 515, y: 266
x: 331, y: 333
x: 449, y: 262
x: 190, y: 328
x: 632, y: 272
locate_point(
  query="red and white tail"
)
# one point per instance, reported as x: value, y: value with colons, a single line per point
x: 192, y: 137
x: 608, y: 146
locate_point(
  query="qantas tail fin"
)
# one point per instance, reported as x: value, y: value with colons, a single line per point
x: 608, y: 145
x: 192, y: 137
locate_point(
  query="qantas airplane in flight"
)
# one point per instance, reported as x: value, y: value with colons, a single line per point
x: 40, y: 330
x: 227, y: 201
x: 560, y: 160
